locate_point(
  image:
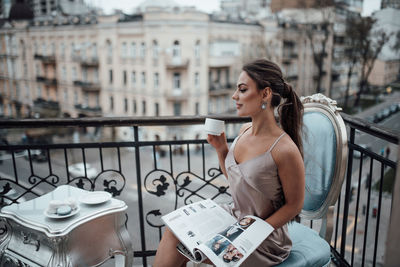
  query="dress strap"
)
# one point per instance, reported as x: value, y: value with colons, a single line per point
x: 276, y: 141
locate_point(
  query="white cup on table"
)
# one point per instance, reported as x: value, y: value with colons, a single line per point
x: 214, y: 127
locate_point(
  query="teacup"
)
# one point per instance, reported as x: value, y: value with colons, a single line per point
x: 214, y: 127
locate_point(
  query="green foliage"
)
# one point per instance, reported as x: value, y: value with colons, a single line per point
x: 388, y: 181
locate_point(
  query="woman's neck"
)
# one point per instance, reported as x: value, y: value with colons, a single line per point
x: 264, y: 123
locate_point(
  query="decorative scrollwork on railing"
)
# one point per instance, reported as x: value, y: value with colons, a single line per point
x: 188, y: 187
x: 111, y: 181
x: 34, y: 179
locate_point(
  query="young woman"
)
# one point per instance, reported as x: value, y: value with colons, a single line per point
x: 264, y: 164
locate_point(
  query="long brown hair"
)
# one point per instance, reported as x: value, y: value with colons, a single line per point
x: 266, y: 73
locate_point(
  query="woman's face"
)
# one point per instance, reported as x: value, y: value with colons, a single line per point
x: 247, y: 97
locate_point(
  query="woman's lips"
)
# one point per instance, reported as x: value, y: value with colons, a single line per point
x: 238, y: 106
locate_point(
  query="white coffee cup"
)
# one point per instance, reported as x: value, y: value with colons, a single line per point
x: 214, y: 127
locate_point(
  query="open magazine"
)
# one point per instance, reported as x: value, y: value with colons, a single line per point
x: 206, y: 230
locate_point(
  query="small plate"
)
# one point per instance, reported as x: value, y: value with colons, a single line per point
x: 96, y: 197
x: 56, y: 216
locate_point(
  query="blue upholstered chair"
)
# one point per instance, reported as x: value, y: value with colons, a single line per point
x: 325, y: 158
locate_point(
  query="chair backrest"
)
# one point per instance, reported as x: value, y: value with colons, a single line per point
x: 325, y: 154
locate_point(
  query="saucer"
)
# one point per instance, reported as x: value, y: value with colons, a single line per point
x: 56, y: 216
x: 96, y: 197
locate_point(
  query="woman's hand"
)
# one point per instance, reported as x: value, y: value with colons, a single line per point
x: 218, y: 142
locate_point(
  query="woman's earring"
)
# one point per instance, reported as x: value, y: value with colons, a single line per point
x: 264, y: 105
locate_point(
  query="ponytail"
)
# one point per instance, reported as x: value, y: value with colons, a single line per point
x: 291, y: 115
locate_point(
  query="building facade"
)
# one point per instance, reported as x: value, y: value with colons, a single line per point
x: 157, y: 63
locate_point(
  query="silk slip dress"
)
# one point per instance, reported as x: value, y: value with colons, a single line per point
x: 256, y: 190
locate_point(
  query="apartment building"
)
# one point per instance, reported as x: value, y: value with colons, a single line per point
x: 162, y: 62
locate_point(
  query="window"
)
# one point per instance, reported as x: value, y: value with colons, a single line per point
x: 126, y: 105
x: 97, y: 101
x: 94, y: 50
x: 177, y: 81
x: 25, y: 70
x: 110, y: 76
x: 134, y: 106
x: 155, y: 49
x: 227, y: 78
x: 157, y: 109
x: 62, y: 50
x: 111, y: 103
x: 53, y: 49
x: 84, y: 75
x: 109, y: 49
x: 156, y: 80
x: 72, y: 49
x: 143, y: 79
x: 197, y: 49
x: 44, y: 49
x: 144, y: 107
x: 196, y: 80
x: 142, y: 50
x: 124, y: 50
x: 133, y: 77
x: 125, y: 77
x: 177, y: 109
x: 36, y: 48
x: 74, y: 74
x: 95, y: 76
x: 133, y: 50
x: 197, y: 108
x: 39, y: 91
x: 76, y: 99
x: 176, y: 49
x: 66, y: 95
x: 64, y: 73
x: 37, y: 68
x: 86, y: 99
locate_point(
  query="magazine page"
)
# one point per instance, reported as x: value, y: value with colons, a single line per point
x: 234, y: 244
x: 195, y: 223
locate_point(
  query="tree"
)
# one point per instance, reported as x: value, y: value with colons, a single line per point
x: 369, y: 43
x: 351, y: 54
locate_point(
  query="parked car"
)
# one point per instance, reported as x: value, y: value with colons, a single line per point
x: 78, y: 170
x: 357, y: 154
x: 39, y: 155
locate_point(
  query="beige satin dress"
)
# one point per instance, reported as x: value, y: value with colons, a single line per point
x: 256, y: 190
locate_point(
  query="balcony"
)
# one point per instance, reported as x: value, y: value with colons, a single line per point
x: 178, y: 95
x: 163, y: 183
x: 88, y: 111
x: 47, y: 81
x: 218, y: 89
x: 177, y: 63
x: 46, y: 59
x: 88, y: 86
x: 87, y: 62
x: 46, y: 108
x: 221, y: 61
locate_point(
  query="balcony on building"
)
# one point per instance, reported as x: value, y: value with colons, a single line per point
x: 220, y: 89
x: 176, y: 95
x: 88, y: 86
x: 87, y: 111
x: 47, y: 81
x: 87, y: 62
x: 177, y: 63
x: 48, y: 60
x: 46, y: 108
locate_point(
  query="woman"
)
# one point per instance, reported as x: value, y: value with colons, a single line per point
x: 264, y: 164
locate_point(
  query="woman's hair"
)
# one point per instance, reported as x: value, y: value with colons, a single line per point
x: 268, y: 74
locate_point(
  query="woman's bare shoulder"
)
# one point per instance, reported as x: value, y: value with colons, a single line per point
x: 285, y: 150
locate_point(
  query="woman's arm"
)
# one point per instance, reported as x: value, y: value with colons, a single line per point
x: 292, y: 176
x: 221, y: 146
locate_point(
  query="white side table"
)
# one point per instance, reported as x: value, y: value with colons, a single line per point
x: 87, y: 238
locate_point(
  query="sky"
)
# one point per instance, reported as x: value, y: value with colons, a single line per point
x: 204, y: 5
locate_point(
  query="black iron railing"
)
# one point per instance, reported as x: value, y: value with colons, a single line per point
x: 156, y: 176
